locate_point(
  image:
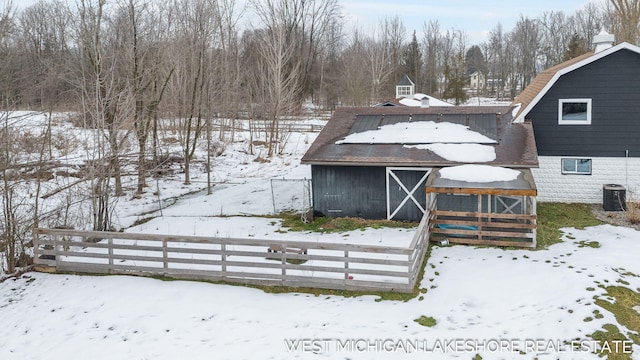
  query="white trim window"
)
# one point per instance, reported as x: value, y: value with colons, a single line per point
x: 404, y: 90
x: 574, y: 111
x: 572, y: 166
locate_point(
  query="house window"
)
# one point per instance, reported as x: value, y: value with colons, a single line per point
x: 574, y: 111
x: 576, y: 166
x: 404, y: 90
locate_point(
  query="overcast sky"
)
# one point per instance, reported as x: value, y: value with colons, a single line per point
x: 475, y: 17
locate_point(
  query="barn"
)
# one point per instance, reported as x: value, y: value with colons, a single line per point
x: 392, y: 163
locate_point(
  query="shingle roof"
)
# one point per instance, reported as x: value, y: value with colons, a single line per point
x: 404, y: 81
x: 544, y: 80
x: 515, y: 142
x: 541, y: 80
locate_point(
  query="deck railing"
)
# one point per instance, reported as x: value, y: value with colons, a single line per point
x: 487, y: 228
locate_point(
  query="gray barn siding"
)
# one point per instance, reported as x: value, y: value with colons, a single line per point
x: 360, y: 191
x: 613, y: 85
x: 356, y: 191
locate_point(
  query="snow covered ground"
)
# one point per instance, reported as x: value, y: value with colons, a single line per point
x: 480, y: 297
x: 501, y: 304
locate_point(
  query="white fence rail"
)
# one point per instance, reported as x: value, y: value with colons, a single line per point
x: 251, y: 261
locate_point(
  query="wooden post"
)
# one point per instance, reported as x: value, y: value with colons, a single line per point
x: 535, y: 220
x: 110, y: 250
x: 479, y: 217
x: 346, y: 264
x: 284, y: 262
x: 56, y: 252
x: 165, y: 255
x: 223, y: 258
x: 36, y: 245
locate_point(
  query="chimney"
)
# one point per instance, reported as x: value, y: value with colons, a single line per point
x: 603, y: 41
x: 424, y: 102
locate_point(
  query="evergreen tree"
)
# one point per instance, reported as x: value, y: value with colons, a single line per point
x: 475, y: 60
x: 412, y: 60
x: 455, y: 77
x: 575, y: 48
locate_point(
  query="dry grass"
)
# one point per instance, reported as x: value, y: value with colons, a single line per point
x: 632, y: 213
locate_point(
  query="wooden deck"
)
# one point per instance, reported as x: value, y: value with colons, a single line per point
x: 480, y: 227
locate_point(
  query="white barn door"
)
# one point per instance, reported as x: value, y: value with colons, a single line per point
x: 403, y: 185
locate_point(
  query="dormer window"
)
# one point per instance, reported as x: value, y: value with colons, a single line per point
x: 574, y: 111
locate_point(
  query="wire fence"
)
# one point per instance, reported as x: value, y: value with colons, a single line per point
x: 291, y: 195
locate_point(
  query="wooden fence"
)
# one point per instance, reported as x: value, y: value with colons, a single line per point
x: 250, y: 261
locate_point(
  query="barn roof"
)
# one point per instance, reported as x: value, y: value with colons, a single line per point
x: 414, y: 100
x: 514, y: 144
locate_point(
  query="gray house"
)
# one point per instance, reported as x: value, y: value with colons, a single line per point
x: 390, y: 162
x: 586, y: 119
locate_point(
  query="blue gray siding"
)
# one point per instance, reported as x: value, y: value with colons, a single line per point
x: 361, y: 191
x: 613, y: 84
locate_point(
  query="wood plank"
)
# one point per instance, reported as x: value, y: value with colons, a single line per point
x: 482, y: 191
x: 349, y: 270
x: 483, y: 233
x: 486, y: 224
x: 90, y: 245
x: 464, y: 241
x: 174, y: 260
x: 227, y: 241
x: 483, y: 215
x: 340, y: 259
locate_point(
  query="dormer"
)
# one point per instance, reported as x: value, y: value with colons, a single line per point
x: 405, y: 87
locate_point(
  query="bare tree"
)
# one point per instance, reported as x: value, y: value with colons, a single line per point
x: 102, y: 95
x: 354, y: 77
x: 280, y: 80
x: 431, y: 44
x: 556, y: 31
x: 194, y: 34
x: 387, y: 66
x: 626, y: 16
x: 588, y: 21
x: 44, y: 32
x: 525, y: 44
x: 147, y: 76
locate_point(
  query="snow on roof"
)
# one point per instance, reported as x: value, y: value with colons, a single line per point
x: 416, y: 101
x: 516, y: 109
x: 478, y: 173
x: 465, y: 153
x: 419, y: 132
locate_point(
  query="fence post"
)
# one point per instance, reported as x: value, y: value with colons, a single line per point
x: 223, y: 258
x: 110, y: 249
x: 284, y: 262
x: 36, y: 244
x: 165, y: 263
x: 346, y: 264
x: 56, y: 252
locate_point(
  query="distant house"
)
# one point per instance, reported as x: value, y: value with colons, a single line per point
x: 406, y: 96
x: 443, y: 163
x: 586, y: 119
x: 405, y: 87
x: 477, y: 83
